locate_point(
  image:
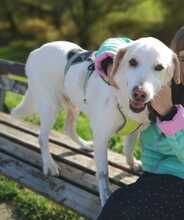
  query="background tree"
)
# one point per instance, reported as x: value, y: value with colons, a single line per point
x: 26, y: 24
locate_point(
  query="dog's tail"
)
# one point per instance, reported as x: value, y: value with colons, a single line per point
x: 26, y: 107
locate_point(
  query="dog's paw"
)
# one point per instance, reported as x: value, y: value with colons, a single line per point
x: 51, y: 169
x: 136, y: 165
x: 104, y: 198
x: 104, y: 190
x: 87, y: 146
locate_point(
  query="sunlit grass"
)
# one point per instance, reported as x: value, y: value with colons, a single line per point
x: 31, y: 206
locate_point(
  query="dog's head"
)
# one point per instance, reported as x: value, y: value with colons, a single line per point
x: 142, y: 68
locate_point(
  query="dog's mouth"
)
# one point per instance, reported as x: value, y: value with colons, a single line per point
x: 137, y: 106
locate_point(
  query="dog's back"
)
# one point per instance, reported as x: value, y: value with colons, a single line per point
x: 45, y: 71
x: 48, y: 62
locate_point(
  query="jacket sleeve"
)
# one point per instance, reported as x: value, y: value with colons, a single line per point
x: 174, y: 130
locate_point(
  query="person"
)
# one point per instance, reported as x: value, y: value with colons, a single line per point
x: 159, y: 193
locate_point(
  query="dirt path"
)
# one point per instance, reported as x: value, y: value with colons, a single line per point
x: 6, y: 212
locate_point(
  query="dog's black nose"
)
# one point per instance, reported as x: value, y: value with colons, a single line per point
x: 138, y: 94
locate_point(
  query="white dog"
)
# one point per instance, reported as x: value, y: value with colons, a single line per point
x: 138, y: 73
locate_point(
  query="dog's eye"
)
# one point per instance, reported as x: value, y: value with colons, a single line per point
x: 133, y: 62
x: 159, y: 67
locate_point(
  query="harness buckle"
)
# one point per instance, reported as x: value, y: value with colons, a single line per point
x: 91, y: 67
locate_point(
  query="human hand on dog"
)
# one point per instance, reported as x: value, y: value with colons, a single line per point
x: 162, y: 102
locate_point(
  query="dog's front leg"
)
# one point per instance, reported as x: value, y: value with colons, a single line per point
x: 104, y: 120
x: 128, y: 150
x: 100, y: 142
x: 103, y: 127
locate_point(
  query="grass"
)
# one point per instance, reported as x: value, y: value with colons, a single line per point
x: 16, y: 51
x: 30, y: 206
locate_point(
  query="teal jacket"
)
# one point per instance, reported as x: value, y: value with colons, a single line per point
x: 163, y: 146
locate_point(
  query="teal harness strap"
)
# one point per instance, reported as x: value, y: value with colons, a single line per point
x: 70, y: 62
x: 90, y: 68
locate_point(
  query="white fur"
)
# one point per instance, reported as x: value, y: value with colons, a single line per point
x: 48, y: 90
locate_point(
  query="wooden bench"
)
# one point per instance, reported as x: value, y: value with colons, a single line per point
x: 20, y: 160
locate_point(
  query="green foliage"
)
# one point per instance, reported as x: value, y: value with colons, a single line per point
x: 16, y: 50
x: 85, y: 22
x: 30, y: 206
x: 8, y: 190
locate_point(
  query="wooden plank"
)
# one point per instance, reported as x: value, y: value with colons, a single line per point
x: 18, y: 140
x: 77, y: 176
x: 115, y: 159
x: 28, y: 155
x: 56, y: 189
x: 80, y: 161
x: 10, y: 67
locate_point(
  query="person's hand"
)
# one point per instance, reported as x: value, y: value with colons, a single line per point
x: 162, y: 102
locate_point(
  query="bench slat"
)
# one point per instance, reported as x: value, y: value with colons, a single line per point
x: 19, y: 141
x: 115, y: 159
x: 11, y: 67
x: 58, y: 190
x: 62, y: 154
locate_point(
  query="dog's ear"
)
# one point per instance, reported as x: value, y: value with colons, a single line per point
x: 177, y: 74
x: 117, y: 59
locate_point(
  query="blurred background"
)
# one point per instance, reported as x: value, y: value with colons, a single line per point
x: 26, y: 24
